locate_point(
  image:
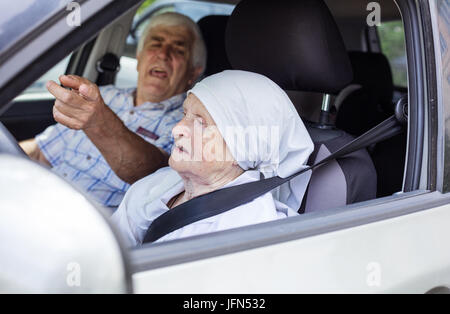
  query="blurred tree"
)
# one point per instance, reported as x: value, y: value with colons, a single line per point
x: 144, y: 5
x: 392, y: 38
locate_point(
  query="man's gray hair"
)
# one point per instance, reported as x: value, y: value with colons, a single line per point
x: 176, y: 19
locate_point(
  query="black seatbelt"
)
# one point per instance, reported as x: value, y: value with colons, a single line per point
x: 220, y: 201
x: 107, y: 68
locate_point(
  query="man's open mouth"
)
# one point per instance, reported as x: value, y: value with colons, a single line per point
x: 159, y: 73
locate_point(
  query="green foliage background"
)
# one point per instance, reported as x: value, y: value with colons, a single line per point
x: 144, y: 5
x: 392, y: 37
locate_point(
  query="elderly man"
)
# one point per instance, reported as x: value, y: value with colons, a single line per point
x: 107, y: 138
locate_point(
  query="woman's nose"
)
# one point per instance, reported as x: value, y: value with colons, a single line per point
x: 181, y: 129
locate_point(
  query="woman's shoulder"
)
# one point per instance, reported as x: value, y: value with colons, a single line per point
x: 132, y: 216
x: 150, y: 187
x: 156, y: 182
x: 165, y: 172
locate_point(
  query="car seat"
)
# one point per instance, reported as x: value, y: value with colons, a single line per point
x: 366, y: 102
x: 297, y: 44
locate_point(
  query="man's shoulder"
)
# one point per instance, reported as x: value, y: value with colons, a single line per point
x: 175, y: 103
x: 105, y: 89
x: 110, y: 93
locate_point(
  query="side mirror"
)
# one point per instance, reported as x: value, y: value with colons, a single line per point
x: 53, y: 240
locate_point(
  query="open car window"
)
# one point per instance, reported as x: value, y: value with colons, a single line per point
x: 392, y: 37
x: 127, y: 77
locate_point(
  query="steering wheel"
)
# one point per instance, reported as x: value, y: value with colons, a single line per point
x: 8, y: 143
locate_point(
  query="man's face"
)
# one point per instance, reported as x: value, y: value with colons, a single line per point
x: 164, y: 64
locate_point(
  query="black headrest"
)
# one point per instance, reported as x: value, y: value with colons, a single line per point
x: 373, y: 72
x: 213, y: 31
x: 296, y: 43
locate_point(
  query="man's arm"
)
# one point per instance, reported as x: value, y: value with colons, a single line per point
x: 129, y: 155
x: 31, y: 148
x: 83, y: 108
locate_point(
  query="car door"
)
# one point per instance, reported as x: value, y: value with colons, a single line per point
x: 391, y: 244
x: 394, y: 244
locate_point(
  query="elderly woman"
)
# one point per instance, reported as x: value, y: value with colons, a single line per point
x: 237, y: 127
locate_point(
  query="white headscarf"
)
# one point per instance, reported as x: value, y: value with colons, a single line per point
x: 243, y: 101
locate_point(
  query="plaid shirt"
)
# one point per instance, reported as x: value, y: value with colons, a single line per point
x: 73, y: 156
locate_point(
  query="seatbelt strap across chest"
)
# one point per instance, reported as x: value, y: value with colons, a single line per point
x: 220, y: 201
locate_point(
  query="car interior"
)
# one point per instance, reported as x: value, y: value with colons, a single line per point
x: 361, y: 87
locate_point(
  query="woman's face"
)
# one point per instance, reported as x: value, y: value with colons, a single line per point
x: 199, y: 149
